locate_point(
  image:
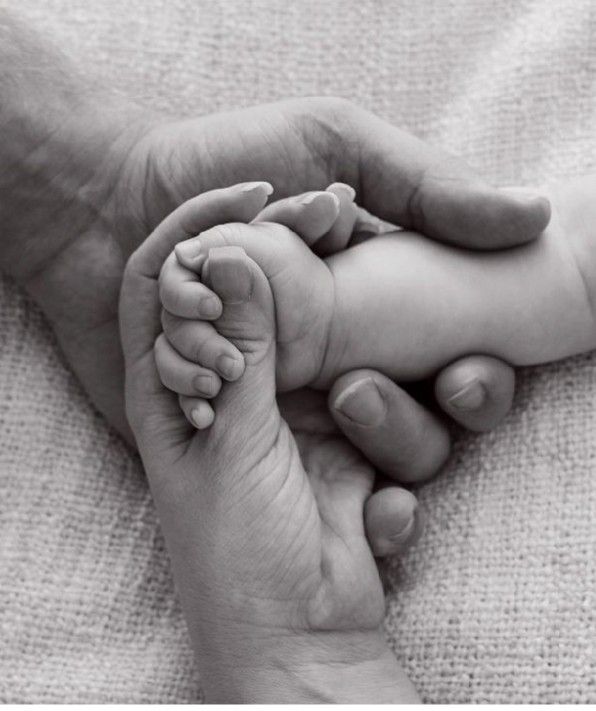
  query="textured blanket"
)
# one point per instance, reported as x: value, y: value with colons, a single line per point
x: 498, y: 601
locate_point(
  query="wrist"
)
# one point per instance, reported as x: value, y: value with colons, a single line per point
x: 64, y: 143
x: 61, y: 171
x: 315, y: 667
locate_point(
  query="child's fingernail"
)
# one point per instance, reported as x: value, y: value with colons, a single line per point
x: 313, y: 198
x: 362, y: 403
x: 261, y: 185
x: 202, y: 416
x: 205, y: 384
x: 229, y: 274
x: 230, y: 368
x: 343, y: 188
x: 210, y: 307
x: 470, y: 397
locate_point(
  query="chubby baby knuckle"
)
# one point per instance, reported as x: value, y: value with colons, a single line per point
x: 199, y: 352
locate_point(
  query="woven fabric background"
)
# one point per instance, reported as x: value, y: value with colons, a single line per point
x: 498, y: 601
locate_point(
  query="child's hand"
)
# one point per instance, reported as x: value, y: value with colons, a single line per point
x: 193, y: 357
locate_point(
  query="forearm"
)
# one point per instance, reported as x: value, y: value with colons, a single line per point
x: 408, y: 306
x: 64, y: 140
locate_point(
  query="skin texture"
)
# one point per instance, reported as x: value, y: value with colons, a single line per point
x: 264, y: 522
x: 397, y: 303
x: 85, y: 175
x: 132, y: 172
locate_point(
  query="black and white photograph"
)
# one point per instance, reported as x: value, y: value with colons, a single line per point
x: 297, y: 352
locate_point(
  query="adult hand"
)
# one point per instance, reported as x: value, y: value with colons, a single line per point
x: 85, y: 176
x: 296, y: 145
x: 264, y: 524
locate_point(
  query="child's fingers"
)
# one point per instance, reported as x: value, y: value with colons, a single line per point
x: 197, y: 411
x: 182, y: 376
x: 309, y: 215
x: 182, y: 293
x: 340, y: 233
x: 199, y: 342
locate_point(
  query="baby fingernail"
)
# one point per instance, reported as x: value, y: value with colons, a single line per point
x: 210, y: 307
x: 261, y: 185
x: 470, y: 397
x: 204, y: 384
x: 230, y: 275
x: 362, y: 403
x: 229, y: 367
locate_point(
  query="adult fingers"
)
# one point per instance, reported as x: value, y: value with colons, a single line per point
x: 408, y: 182
x: 476, y: 391
x: 309, y: 215
x: 340, y: 233
x: 400, y: 437
x: 392, y: 521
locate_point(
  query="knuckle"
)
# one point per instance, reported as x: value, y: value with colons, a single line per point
x: 200, y: 352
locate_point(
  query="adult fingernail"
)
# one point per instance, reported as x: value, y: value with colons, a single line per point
x: 210, y: 307
x: 204, y: 384
x: 260, y: 185
x: 403, y: 534
x: 314, y: 198
x: 202, y: 416
x: 471, y: 397
x: 229, y: 367
x: 362, y: 403
x: 527, y: 197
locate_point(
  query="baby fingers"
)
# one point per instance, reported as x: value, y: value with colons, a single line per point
x: 182, y: 376
x: 182, y: 293
x: 200, y: 343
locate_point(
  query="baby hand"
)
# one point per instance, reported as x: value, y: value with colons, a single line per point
x: 193, y: 356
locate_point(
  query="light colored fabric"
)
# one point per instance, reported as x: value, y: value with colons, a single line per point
x: 498, y: 601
